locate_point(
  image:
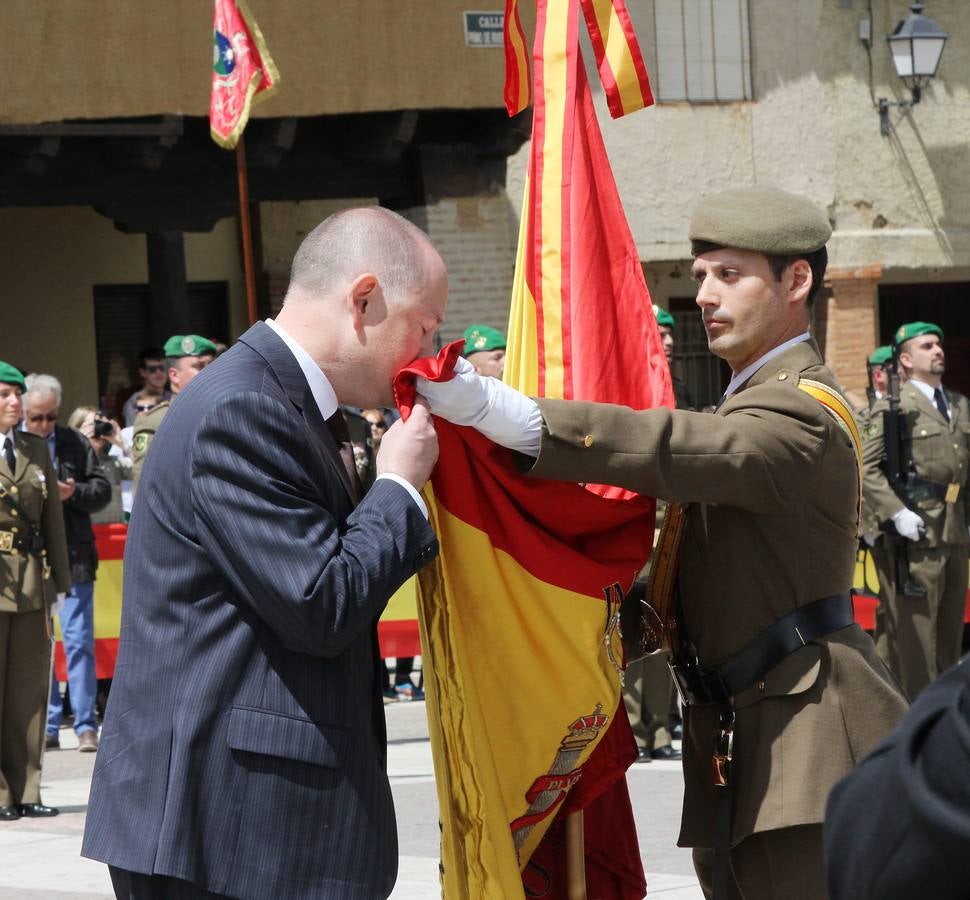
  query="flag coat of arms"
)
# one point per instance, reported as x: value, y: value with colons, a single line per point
x: 243, y: 72
x: 519, y: 614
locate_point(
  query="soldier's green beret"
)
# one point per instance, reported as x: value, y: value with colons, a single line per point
x: 915, y: 329
x: 11, y: 375
x: 764, y: 219
x: 663, y: 317
x: 881, y: 355
x: 189, y: 345
x: 479, y: 338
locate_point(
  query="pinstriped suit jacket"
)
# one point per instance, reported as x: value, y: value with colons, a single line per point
x: 244, y: 744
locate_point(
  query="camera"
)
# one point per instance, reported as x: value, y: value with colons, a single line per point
x: 102, y: 427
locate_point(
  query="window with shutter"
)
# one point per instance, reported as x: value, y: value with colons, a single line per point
x: 703, y: 50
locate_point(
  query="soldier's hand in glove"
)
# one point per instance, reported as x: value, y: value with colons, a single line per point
x: 909, y: 524
x: 501, y: 413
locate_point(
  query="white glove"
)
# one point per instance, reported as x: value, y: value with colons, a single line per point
x: 909, y: 524
x: 58, y: 604
x: 499, y: 412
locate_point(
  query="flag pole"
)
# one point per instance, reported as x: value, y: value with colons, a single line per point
x: 575, y: 857
x: 246, y: 230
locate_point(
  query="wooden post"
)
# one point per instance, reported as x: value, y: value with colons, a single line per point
x: 575, y: 857
x: 246, y: 230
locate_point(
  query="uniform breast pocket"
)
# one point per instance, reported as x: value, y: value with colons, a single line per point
x: 927, y: 443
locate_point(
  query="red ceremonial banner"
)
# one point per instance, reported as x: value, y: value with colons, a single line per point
x: 243, y: 72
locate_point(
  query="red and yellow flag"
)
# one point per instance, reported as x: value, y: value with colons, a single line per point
x: 519, y: 628
x: 519, y: 614
x: 243, y: 72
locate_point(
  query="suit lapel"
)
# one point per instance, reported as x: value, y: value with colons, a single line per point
x: 268, y: 344
x: 329, y: 449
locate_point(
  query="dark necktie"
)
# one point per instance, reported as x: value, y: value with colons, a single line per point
x: 338, y: 428
x: 940, y: 401
x: 8, y: 453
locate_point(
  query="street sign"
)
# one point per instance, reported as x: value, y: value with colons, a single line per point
x: 483, y: 29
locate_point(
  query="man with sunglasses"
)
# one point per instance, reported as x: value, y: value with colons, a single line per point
x: 84, y: 489
x: 154, y: 377
x: 185, y: 356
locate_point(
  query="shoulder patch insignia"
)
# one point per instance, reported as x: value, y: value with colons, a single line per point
x: 140, y: 442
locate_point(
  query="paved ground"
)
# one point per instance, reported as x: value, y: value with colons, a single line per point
x: 39, y: 857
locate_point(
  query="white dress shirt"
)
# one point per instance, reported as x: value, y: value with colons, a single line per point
x: 326, y: 400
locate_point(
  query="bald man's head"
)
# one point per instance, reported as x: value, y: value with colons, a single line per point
x: 356, y: 241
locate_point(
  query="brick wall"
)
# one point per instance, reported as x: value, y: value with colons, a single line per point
x: 851, y: 323
x: 476, y: 238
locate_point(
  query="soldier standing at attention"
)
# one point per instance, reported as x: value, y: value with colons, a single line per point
x: 185, y: 356
x: 784, y: 691
x: 924, y: 633
x: 34, y: 572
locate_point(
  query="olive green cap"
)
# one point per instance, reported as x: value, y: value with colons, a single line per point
x: 11, y: 375
x: 764, y: 219
x: 479, y: 338
x: 915, y: 329
x: 663, y: 317
x: 881, y: 355
x: 189, y: 345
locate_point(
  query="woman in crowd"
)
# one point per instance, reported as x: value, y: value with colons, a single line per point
x: 34, y: 570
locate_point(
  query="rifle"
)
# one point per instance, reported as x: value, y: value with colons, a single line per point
x: 870, y: 387
x: 901, y: 473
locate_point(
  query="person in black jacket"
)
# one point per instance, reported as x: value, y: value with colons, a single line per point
x: 84, y: 489
x: 899, y: 825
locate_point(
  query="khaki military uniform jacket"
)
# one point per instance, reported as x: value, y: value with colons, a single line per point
x: 940, y: 452
x: 774, y: 485
x: 141, y: 438
x: 23, y: 587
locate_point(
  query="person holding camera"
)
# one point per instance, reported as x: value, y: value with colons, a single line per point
x: 83, y: 489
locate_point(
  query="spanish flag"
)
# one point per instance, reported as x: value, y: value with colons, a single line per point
x: 520, y: 612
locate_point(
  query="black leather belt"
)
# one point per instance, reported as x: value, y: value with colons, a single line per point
x: 17, y: 543
x: 763, y: 652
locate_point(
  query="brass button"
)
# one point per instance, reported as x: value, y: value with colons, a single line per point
x: 922, y: 432
x: 13, y: 552
x: 13, y: 512
x: 14, y: 529
x: 13, y: 487
x: 761, y: 685
x: 783, y: 376
x: 588, y: 440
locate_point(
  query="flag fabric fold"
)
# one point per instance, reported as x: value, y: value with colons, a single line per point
x: 243, y: 72
x: 519, y: 625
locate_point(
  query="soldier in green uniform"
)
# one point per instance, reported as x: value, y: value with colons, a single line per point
x: 34, y: 570
x: 665, y: 322
x: 485, y: 350
x: 871, y: 537
x: 185, y: 356
x: 924, y: 634
x: 785, y: 692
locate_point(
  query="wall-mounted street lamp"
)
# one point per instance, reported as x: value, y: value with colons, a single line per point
x: 916, y: 45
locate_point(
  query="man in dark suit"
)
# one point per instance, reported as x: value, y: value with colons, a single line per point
x: 898, y: 826
x: 243, y: 753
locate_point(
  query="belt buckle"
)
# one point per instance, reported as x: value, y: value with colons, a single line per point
x: 723, y: 749
x: 6, y: 541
